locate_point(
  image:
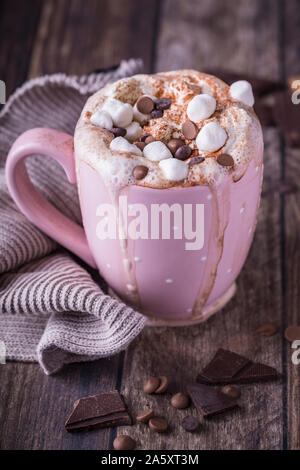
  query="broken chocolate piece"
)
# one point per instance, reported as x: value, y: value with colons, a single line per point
x: 210, y: 401
x: 228, y: 367
x: 224, y: 366
x: 98, y: 411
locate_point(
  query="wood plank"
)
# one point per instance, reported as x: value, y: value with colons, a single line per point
x: 77, y: 37
x: 34, y: 407
x: 291, y: 221
x: 213, y: 34
x: 17, y: 33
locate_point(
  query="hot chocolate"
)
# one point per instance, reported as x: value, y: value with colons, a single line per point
x: 177, y: 138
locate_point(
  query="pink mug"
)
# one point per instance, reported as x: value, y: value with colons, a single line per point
x: 174, y: 285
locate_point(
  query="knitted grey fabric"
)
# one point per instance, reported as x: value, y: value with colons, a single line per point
x: 51, y: 310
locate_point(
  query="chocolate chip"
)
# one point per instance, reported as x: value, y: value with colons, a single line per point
x: 139, y: 172
x: 118, y: 131
x: 144, y: 137
x: 124, y: 443
x: 140, y: 145
x: 189, y: 130
x: 156, y: 113
x: 144, y: 416
x: 151, y: 385
x: 292, y: 333
x: 183, y: 152
x: 225, y: 159
x: 163, y: 103
x: 231, y: 390
x: 158, y: 424
x: 149, y: 139
x: 174, y: 145
x: 190, y: 423
x: 180, y: 401
x: 163, y: 384
x: 267, y: 329
x: 196, y: 160
x: 145, y: 105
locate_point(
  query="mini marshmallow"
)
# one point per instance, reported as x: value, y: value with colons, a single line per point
x: 140, y: 117
x: 157, y: 151
x: 242, y: 91
x: 122, y: 145
x: 102, y: 119
x: 121, y: 113
x: 133, y: 131
x: 201, y: 107
x: 211, y: 137
x: 174, y: 169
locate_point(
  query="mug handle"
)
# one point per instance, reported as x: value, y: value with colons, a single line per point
x: 38, y: 210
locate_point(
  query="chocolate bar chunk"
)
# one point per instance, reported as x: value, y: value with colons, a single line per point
x: 227, y: 367
x: 98, y: 411
x: 209, y: 401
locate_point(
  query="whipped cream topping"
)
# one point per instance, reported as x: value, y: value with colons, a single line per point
x: 224, y: 120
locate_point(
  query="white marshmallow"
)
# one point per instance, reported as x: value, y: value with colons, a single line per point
x: 242, y: 91
x: 102, y: 119
x: 121, y: 113
x: 174, y: 169
x: 133, y: 131
x: 122, y: 145
x: 156, y: 151
x: 201, y: 107
x: 211, y: 137
x: 140, y: 117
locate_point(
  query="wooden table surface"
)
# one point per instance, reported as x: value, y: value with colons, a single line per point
x: 259, y: 37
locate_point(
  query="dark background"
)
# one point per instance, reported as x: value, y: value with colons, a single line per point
x: 258, y: 37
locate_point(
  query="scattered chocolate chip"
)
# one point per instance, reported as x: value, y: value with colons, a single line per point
x: 196, y: 160
x: 292, y: 333
x: 183, y: 152
x: 232, y: 391
x: 124, y: 442
x: 189, y: 130
x: 225, y: 159
x: 227, y: 367
x: 174, y: 145
x: 209, y: 401
x: 156, y: 113
x: 180, y: 401
x: 158, y: 424
x: 144, y: 416
x: 145, y: 104
x: 267, y: 329
x: 149, y: 139
x: 98, y: 411
x: 144, y: 137
x: 151, y: 385
x: 190, y: 423
x: 163, y: 103
x: 139, y: 172
x: 140, y: 145
x: 163, y: 384
x: 118, y: 131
